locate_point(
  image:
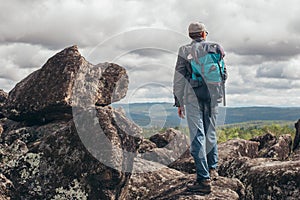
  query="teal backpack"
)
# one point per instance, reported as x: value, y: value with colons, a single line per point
x: 208, y: 72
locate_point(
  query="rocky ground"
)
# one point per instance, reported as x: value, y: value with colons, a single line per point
x: 61, y: 139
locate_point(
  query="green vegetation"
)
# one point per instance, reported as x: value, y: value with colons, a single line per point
x: 245, y: 130
x: 249, y: 130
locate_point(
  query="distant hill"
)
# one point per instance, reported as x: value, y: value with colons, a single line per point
x: 165, y: 115
x: 245, y: 114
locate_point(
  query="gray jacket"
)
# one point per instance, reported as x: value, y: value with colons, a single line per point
x: 181, y: 84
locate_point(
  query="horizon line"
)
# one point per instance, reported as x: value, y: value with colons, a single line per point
x: 231, y: 106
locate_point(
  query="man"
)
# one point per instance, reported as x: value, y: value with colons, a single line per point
x: 200, y: 98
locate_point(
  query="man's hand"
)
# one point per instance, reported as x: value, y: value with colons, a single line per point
x: 181, y: 112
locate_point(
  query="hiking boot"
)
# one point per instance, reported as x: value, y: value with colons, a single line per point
x: 202, y: 186
x: 213, y: 174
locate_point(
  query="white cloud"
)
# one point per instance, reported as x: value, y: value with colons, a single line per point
x: 291, y: 70
x: 17, y: 60
x: 24, y: 55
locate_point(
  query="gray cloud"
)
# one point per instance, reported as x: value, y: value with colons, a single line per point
x: 17, y: 60
x: 261, y: 40
x: 270, y: 72
x: 24, y: 55
x: 270, y: 50
x: 280, y: 70
x: 56, y: 24
x: 238, y: 89
x: 274, y: 84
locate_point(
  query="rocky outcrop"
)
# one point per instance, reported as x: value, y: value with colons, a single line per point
x: 49, y: 150
x: 265, y: 178
x: 171, y: 184
x: 168, y: 181
x: 52, y: 90
x: 112, y: 85
x: 265, y: 146
x: 257, y: 163
x: 272, y: 174
x: 185, y: 163
x: 272, y: 147
x: 169, y: 146
x: 237, y: 148
x: 265, y: 142
x: 282, y: 149
x: 51, y: 161
x: 146, y: 146
x: 163, y: 139
x: 3, y: 98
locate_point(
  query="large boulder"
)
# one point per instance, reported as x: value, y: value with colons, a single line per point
x: 265, y: 142
x: 272, y: 147
x: 237, y: 148
x: 146, y: 146
x: 49, y: 93
x: 164, y: 148
x: 270, y: 172
x: 282, y: 149
x: 168, y: 183
x: 60, y: 140
x: 265, y: 178
x: 185, y: 163
x: 58, y: 161
x: 163, y: 139
x: 227, y: 150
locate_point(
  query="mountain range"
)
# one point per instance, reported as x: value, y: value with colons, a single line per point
x: 165, y: 115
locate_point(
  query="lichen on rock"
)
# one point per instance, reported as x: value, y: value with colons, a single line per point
x: 74, y: 191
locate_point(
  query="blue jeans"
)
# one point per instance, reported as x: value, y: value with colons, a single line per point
x: 201, y: 121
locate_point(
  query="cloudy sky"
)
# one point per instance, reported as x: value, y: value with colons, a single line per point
x: 261, y: 39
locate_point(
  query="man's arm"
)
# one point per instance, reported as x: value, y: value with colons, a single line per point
x: 180, y: 81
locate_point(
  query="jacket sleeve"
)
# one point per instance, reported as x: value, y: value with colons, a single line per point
x: 179, y: 81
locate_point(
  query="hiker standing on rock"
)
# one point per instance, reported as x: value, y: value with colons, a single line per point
x: 198, y: 87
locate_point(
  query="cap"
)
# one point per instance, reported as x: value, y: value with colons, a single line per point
x: 197, y: 27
